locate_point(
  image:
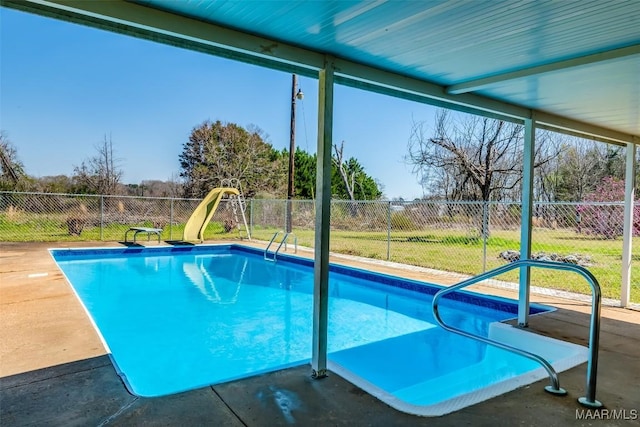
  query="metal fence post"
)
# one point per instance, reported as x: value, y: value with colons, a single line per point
x: 251, y: 215
x: 171, y: 219
x: 485, y: 233
x: 287, y: 206
x: 101, y: 217
x: 389, y: 231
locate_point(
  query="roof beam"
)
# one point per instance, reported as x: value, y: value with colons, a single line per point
x: 584, y: 130
x: 153, y: 24
x: 380, y: 81
x: 354, y: 74
x: 477, y: 84
x: 145, y: 22
x: 580, y: 135
x: 421, y: 98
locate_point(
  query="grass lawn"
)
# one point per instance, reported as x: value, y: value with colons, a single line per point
x: 445, y: 250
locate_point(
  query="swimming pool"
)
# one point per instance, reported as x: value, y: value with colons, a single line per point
x: 179, y: 318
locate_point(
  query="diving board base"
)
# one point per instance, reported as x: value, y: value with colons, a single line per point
x: 146, y: 230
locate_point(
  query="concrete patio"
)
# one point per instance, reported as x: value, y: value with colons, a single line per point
x: 54, y: 370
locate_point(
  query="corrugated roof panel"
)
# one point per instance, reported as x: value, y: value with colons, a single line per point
x: 449, y: 42
x: 580, y: 93
x: 454, y: 40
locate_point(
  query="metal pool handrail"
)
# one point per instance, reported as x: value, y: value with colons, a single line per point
x: 594, y: 329
x: 282, y: 242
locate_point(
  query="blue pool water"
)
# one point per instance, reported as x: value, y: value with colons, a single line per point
x: 180, y: 318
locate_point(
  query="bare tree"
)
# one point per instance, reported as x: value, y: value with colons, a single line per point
x: 100, y: 174
x: 157, y: 188
x: 174, y: 185
x: 349, y: 179
x: 579, y: 167
x: 357, y: 184
x: 12, y: 169
x: 546, y: 176
x: 470, y: 157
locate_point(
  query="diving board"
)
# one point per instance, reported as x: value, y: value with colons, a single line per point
x: 147, y: 230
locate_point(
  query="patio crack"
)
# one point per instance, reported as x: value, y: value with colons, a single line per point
x: 118, y: 412
x: 229, y: 407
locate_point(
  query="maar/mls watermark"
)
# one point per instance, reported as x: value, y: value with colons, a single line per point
x: 607, y: 414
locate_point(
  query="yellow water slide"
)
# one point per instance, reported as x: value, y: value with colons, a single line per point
x: 199, y: 219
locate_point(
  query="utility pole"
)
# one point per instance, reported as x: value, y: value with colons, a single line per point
x: 295, y: 94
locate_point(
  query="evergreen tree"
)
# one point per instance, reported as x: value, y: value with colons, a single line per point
x: 364, y: 186
x: 305, y: 175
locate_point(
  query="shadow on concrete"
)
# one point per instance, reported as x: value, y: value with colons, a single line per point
x: 131, y: 244
x: 168, y: 242
x: 89, y: 392
x: 179, y: 243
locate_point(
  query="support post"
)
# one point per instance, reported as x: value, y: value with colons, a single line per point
x: 323, y: 216
x: 526, y: 220
x: 629, y: 197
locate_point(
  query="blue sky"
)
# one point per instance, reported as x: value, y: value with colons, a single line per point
x: 63, y: 87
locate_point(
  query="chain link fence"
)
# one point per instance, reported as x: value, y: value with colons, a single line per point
x: 460, y: 237
x: 470, y: 237
x: 48, y: 217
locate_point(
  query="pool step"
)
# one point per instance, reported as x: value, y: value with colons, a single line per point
x: 462, y: 381
x: 498, y: 371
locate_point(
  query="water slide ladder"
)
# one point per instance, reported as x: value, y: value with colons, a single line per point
x: 272, y: 256
x: 238, y: 203
x: 594, y: 330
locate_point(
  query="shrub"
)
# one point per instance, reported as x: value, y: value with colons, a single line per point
x: 77, y: 219
x: 402, y: 222
x: 75, y: 225
x: 606, y: 221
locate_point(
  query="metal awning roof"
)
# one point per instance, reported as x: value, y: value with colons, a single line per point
x: 571, y: 65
